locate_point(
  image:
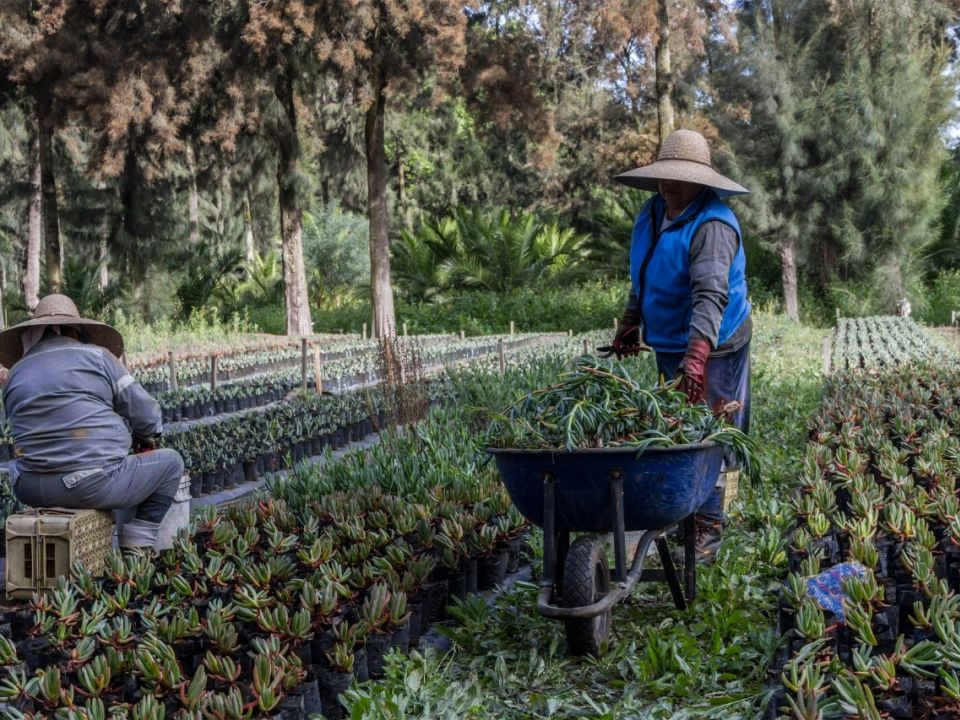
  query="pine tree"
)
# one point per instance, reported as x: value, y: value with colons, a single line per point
x: 382, y: 48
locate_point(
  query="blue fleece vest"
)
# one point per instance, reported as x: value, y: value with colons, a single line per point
x: 660, y: 272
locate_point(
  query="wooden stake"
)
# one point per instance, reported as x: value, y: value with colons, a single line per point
x: 953, y: 317
x: 317, y: 365
x: 503, y: 358
x: 827, y: 344
x: 838, y: 315
x: 213, y: 373
x: 303, y: 363
x: 405, y: 328
x: 586, y: 348
x: 616, y: 324
x: 173, y: 371
x: 462, y: 334
x: 569, y: 333
x: 511, y: 328
x: 364, y: 335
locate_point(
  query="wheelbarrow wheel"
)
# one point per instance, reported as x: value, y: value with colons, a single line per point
x: 586, y: 579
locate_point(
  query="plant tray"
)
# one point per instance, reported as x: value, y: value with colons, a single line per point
x: 43, y: 544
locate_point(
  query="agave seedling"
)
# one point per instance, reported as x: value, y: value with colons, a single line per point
x: 193, y: 694
x: 221, y: 668
x: 17, y: 686
x: 318, y: 552
x: 267, y: 677
x: 95, y: 677
x: 859, y: 619
x: 156, y: 664
x: 341, y: 658
x: 856, y: 698
x: 919, y: 561
x: 149, y: 708
x: 118, y: 633
x: 50, y: 691
x: 806, y: 686
x: 810, y: 621
x: 375, y: 611
x: 900, y: 521
x: 221, y: 632
x: 226, y: 706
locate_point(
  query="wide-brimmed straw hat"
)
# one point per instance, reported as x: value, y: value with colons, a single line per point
x: 57, y: 310
x: 684, y: 156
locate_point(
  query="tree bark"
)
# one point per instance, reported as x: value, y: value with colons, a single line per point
x: 104, y: 263
x: 31, y: 277
x: 291, y: 215
x: 248, y: 239
x: 788, y: 276
x: 193, y: 210
x: 664, y: 73
x: 384, y: 317
x: 49, y: 207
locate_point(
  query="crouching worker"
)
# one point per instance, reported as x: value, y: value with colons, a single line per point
x: 75, y: 413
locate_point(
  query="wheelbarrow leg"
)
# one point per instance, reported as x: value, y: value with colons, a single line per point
x: 563, y: 547
x: 670, y: 572
x: 555, y: 544
x: 690, y: 557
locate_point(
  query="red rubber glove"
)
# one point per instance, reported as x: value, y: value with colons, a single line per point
x: 694, y: 369
x: 627, y: 340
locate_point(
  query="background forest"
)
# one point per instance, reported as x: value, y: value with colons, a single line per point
x: 449, y: 164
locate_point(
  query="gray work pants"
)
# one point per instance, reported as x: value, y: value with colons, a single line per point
x: 145, y: 483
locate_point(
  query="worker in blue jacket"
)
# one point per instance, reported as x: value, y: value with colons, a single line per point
x: 688, y: 297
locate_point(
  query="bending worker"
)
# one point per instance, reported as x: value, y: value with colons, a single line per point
x: 688, y: 298
x: 75, y: 412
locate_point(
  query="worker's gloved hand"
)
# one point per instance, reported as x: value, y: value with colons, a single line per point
x: 141, y: 445
x: 627, y: 340
x: 694, y: 369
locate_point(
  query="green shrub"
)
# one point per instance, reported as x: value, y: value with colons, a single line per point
x: 533, y: 309
x: 943, y: 298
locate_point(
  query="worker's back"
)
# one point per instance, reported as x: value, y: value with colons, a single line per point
x: 63, y: 399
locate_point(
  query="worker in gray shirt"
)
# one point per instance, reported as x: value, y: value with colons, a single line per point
x: 75, y: 414
x: 688, y: 298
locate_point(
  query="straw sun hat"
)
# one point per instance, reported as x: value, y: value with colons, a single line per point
x: 57, y: 310
x: 684, y: 156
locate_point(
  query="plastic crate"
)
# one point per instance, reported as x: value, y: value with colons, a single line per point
x: 42, y: 544
x: 725, y: 492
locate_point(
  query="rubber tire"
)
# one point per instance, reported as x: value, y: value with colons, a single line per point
x: 586, y: 579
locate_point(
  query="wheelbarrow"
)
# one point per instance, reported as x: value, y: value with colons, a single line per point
x: 608, y: 490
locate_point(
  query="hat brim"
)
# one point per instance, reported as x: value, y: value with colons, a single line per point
x: 646, y: 177
x: 101, y: 334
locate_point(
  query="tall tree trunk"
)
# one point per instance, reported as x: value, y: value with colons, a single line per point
x: 291, y: 215
x: 31, y: 277
x: 193, y: 207
x: 664, y: 79
x: 223, y: 207
x: 49, y: 207
x: 788, y: 276
x: 249, y: 242
x: 3, y: 289
x: 104, y: 263
x: 384, y: 317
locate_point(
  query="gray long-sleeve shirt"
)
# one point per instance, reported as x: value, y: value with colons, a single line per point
x: 712, y: 251
x: 73, y: 407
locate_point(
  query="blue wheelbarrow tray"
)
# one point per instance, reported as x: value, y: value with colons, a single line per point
x: 611, y: 490
x: 661, y: 486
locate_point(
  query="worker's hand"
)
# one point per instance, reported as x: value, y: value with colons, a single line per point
x: 694, y: 369
x: 626, y: 342
x: 143, y: 445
